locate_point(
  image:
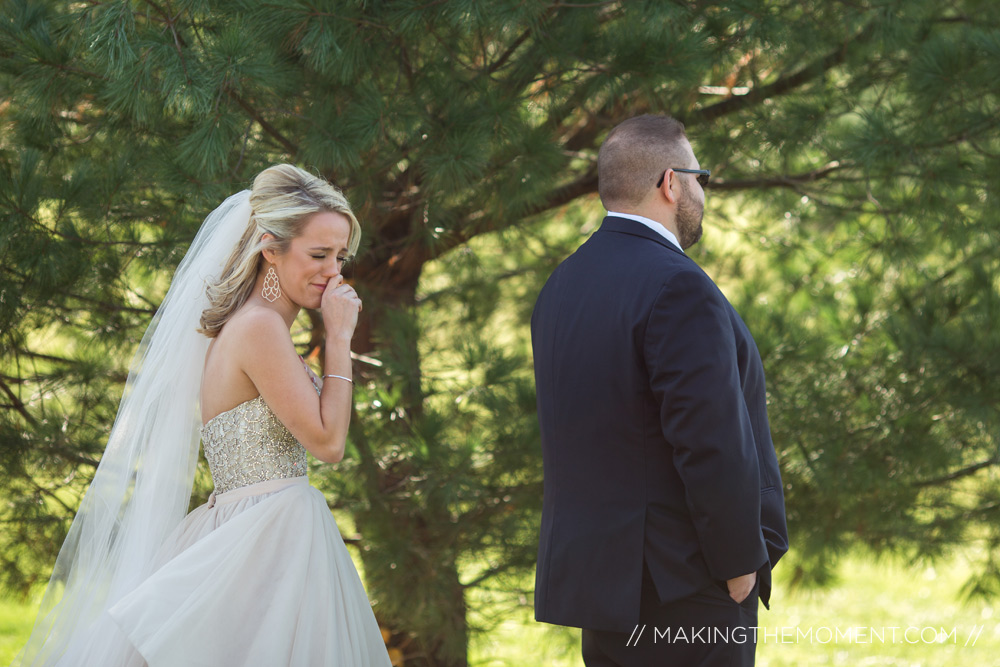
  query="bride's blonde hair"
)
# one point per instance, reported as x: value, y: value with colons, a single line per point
x: 282, y: 200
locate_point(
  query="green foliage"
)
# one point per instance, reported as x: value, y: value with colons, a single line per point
x: 852, y: 219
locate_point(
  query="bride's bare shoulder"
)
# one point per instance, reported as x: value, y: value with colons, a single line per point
x: 257, y: 327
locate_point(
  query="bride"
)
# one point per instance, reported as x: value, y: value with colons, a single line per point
x: 259, y: 575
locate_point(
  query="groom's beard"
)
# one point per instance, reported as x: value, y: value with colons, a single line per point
x: 689, y: 216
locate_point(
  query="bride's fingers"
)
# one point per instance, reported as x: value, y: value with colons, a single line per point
x: 352, y: 296
x: 334, y: 283
x: 347, y: 292
x: 341, y: 290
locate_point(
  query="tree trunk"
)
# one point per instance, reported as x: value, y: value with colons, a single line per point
x: 425, y: 573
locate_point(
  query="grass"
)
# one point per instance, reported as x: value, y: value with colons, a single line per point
x: 16, y: 620
x: 873, y: 595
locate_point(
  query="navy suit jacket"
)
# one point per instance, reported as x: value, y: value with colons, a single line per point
x: 655, y: 439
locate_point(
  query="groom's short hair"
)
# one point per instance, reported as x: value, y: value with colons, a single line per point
x: 634, y: 155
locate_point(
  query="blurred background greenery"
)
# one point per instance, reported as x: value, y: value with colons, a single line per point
x: 851, y: 219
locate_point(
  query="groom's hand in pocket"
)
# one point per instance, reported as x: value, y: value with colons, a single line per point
x: 740, y: 587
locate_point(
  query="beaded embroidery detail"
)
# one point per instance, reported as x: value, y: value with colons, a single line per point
x: 247, y: 445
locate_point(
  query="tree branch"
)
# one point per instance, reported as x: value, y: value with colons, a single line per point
x: 492, y: 572
x: 178, y: 40
x: 783, y: 85
x: 505, y: 56
x: 109, y: 307
x: 16, y: 403
x: 959, y: 474
x: 41, y: 489
x: 789, y: 181
x: 69, y: 455
x: 45, y: 357
x: 292, y: 149
x: 584, y: 184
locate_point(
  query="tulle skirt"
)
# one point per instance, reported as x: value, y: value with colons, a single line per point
x: 256, y: 576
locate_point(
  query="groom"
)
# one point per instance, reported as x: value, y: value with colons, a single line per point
x: 663, y: 511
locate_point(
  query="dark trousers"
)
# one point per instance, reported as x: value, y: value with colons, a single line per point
x: 707, y: 629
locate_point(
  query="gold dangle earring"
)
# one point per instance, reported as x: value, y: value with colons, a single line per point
x: 271, y: 290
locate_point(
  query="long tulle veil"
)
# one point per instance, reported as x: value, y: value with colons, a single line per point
x: 142, y: 486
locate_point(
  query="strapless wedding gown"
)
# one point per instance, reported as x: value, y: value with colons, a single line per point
x: 257, y: 576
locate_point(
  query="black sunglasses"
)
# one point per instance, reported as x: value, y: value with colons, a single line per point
x: 703, y: 175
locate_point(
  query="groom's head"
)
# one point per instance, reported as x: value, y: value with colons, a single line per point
x: 634, y: 174
x: 634, y: 155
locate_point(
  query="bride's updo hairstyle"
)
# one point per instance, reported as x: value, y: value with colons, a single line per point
x: 282, y: 200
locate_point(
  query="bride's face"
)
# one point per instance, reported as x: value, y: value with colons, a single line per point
x: 314, y: 258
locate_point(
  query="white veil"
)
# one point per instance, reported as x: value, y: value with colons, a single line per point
x: 142, y: 486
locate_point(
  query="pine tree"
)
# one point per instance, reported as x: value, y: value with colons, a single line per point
x: 854, y: 148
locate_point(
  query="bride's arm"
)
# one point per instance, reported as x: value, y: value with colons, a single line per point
x: 270, y: 361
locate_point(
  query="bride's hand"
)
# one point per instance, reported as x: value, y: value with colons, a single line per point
x: 340, y: 307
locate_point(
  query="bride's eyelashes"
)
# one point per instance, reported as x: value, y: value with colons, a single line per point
x: 342, y: 260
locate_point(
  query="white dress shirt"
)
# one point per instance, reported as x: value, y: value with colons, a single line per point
x: 652, y: 224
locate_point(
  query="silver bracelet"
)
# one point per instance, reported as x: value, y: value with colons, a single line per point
x: 339, y: 377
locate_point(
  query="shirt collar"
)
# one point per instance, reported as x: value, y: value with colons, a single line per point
x: 652, y: 224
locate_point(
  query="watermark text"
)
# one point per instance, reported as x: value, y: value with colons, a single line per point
x: 806, y: 635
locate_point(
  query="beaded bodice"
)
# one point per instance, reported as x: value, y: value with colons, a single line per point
x: 248, y: 444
